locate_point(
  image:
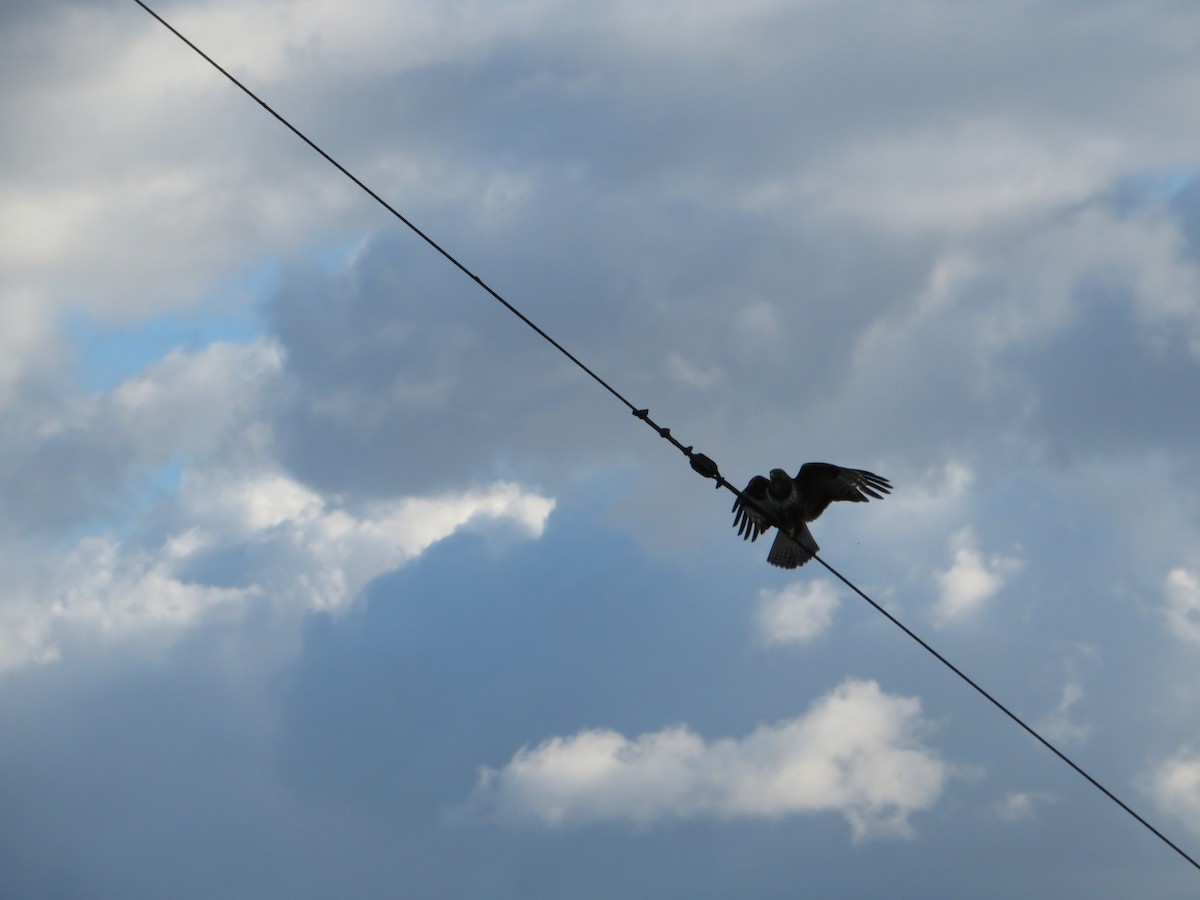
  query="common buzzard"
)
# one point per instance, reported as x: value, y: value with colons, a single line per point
x: 790, y: 504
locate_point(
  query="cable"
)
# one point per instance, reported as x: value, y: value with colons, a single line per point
x: 1004, y: 709
x: 702, y: 464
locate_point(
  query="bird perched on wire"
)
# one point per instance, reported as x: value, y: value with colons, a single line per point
x: 790, y: 504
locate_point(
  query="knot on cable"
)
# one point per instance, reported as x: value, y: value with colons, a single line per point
x: 702, y: 464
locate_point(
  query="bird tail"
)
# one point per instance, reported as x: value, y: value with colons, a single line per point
x: 794, y: 550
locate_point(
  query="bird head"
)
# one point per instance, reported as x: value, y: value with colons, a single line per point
x: 781, y: 484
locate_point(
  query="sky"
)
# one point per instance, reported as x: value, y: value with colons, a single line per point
x: 322, y: 575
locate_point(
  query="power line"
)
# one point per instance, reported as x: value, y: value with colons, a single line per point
x: 702, y: 464
x: 1008, y: 712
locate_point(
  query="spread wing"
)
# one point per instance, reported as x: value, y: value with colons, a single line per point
x: 820, y: 484
x: 751, y: 521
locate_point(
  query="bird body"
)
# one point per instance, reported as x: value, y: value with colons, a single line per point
x: 789, y: 504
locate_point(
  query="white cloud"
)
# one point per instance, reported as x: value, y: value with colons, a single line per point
x: 298, y: 551
x: 1019, y: 806
x: 947, y: 256
x: 139, y: 206
x: 27, y: 339
x: 971, y: 581
x: 1175, y: 786
x: 855, y: 752
x: 683, y: 371
x: 72, y: 459
x: 1058, y: 725
x: 797, y: 613
x: 679, y: 28
x: 759, y: 325
x: 941, y: 493
x: 186, y: 401
x: 980, y: 173
x: 279, y: 42
x: 1182, y: 604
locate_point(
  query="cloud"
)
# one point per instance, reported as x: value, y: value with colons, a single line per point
x: 855, y: 752
x: 72, y: 458
x: 1058, y: 725
x: 237, y: 540
x: 936, y: 246
x: 1182, y: 604
x: 926, y: 504
x: 985, y: 172
x: 943, y: 487
x: 140, y: 512
x: 683, y: 371
x: 29, y: 345
x: 967, y: 585
x: 797, y: 613
x: 1175, y: 786
x: 1019, y: 806
x: 141, y: 202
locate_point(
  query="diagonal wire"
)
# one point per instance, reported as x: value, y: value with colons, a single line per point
x: 1008, y: 712
x: 699, y: 462
x: 395, y: 212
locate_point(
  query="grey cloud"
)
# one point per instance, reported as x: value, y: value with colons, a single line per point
x: 73, y: 458
x: 722, y: 201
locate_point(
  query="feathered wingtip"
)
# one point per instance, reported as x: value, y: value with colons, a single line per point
x: 748, y: 516
x: 747, y: 528
x: 873, y: 485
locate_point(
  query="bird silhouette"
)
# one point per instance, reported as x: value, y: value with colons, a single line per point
x: 789, y: 504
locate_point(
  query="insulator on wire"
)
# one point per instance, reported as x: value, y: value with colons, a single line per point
x: 703, y: 465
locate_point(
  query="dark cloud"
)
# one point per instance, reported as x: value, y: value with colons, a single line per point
x: 404, y: 373
x: 1105, y: 386
x: 917, y: 239
x: 349, y: 772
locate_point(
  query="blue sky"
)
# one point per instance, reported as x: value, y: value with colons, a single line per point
x: 323, y: 576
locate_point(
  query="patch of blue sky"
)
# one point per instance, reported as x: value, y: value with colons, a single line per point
x: 335, y: 256
x: 1157, y: 186
x: 110, y: 352
x: 124, y: 516
x: 1166, y: 184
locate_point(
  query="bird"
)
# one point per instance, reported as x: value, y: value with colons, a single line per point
x: 789, y: 504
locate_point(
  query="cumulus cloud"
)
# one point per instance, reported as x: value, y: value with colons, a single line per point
x: 971, y: 581
x: 280, y: 544
x: 982, y: 172
x: 226, y: 529
x: 74, y: 457
x: 126, y: 229
x: 950, y: 249
x: 797, y: 613
x: 28, y: 343
x: 928, y: 503
x: 1182, y: 604
x: 856, y: 752
x: 942, y: 487
x: 1175, y: 786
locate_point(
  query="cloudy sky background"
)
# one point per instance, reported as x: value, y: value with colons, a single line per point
x: 322, y: 576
